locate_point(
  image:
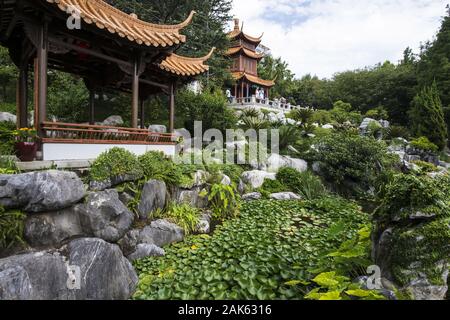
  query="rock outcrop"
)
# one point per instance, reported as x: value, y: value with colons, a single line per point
x: 41, y: 191
x: 85, y: 269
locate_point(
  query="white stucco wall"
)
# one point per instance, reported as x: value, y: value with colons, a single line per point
x: 66, y: 151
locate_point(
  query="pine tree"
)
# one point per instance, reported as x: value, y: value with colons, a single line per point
x: 427, y: 116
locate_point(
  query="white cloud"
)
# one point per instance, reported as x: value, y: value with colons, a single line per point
x: 326, y: 36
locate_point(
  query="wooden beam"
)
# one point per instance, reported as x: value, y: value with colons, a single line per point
x: 42, y: 66
x: 155, y: 84
x: 91, y: 107
x: 89, y: 52
x: 22, y: 97
x: 135, y: 93
x: 172, y: 108
x: 142, y: 113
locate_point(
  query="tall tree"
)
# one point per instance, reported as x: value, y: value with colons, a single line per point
x: 434, y: 62
x: 427, y: 116
x: 275, y: 68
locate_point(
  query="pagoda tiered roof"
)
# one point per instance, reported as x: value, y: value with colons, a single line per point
x: 253, y: 79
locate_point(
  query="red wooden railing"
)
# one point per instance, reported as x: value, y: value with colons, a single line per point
x: 55, y: 132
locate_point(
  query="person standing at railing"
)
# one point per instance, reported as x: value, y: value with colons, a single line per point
x: 229, y: 96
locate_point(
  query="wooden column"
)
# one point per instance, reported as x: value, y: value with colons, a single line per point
x: 22, y: 97
x: 135, y: 100
x: 41, y: 76
x: 91, y: 107
x: 172, y: 108
x: 248, y: 91
x: 235, y: 91
x: 142, y: 113
x: 242, y: 89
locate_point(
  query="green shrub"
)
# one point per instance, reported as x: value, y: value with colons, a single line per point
x: 397, y: 132
x: 7, y: 139
x: 182, y: 215
x: 426, y: 167
x: 306, y: 184
x: 233, y: 171
x: 157, y: 166
x: 272, y: 186
x: 115, y: 162
x: 8, y: 107
x: 379, y: 113
x: 350, y: 163
x: 11, y: 228
x: 424, y: 144
x: 416, y: 248
x: 224, y: 201
x: 427, y: 117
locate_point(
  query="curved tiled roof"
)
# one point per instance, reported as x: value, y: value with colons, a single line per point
x: 247, y: 52
x: 105, y: 16
x: 239, y: 33
x: 185, y: 66
x: 253, y: 79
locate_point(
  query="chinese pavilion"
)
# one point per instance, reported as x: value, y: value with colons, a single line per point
x: 108, y: 49
x: 245, y: 63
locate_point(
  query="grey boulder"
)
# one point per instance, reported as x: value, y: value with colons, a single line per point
x: 252, y: 196
x: 85, y: 269
x: 51, y: 229
x: 41, y: 191
x: 285, y: 196
x: 145, y: 250
x: 7, y: 117
x: 255, y: 178
x: 161, y: 233
x: 153, y: 197
x: 204, y: 224
x: 157, y: 128
x: 105, y: 216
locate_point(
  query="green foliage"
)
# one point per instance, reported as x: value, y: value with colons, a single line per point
x: 233, y: 171
x: 379, y: 113
x: 406, y: 195
x: 420, y: 245
x: 182, y: 215
x: 68, y: 98
x: 159, y: 167
x: 8, y: 76
x: 306, y: 184
x: 208, y: 107
x: 113, y: 163
x: 427, y: 117
x: 397, y: 132
x: 424, y: 144
x: 7, y: 139
x: 350, y: 163
x: 253, y: 256
x: 288, y: 135
x: 272, y: 186
x: 224, y: 201
x: 434, y: 64
x: 11, y: 228
x: 426, y: 167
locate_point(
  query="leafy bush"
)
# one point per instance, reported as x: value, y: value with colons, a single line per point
x: 113, y: 163
x: 397, y: 132
x: 233, y: 171
x: 427, y: 117
x: 305, y: 184
x: 182, y: 215
x: 157, y: 166
x: 252, y: 257
x: 416, y: 248
x: 379, y: 113
x: 11, y: 228
x: 426, y: 167
x: 272, y: 186
x: 224, y: 201
x: 424, y: 144
x: 7, y: 137
x: 350, y: 163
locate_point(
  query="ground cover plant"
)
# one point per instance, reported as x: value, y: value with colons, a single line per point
x: 253, y: 256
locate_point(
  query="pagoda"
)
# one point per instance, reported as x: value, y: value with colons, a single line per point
x: 244, y: 69
x: 108, y: 49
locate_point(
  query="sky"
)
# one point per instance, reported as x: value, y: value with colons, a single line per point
x: 322, y: 37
